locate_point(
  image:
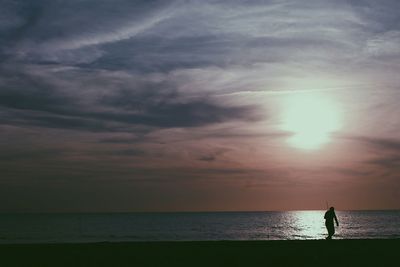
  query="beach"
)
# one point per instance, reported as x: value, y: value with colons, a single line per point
x: 371, y: 252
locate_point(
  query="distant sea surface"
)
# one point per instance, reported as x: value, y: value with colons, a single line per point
x: 118, y: 227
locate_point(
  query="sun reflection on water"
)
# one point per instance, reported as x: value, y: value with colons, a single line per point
x: 308, y: 224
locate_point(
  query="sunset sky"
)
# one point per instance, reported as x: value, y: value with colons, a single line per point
x: 199, y: 105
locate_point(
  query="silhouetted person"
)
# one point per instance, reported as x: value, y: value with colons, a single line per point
x: 329, y: 216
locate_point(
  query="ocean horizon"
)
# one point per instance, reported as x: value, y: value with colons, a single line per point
x: 194, y: 226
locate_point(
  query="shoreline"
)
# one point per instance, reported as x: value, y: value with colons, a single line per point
x: 336, y: 252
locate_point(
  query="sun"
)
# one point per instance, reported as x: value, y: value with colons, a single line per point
x: 311, y: 118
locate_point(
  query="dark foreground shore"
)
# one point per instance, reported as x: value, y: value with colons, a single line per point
x: 207, y: 253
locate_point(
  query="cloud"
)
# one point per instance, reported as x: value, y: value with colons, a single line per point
x: 388, y: 162
x: 383, y: 144
x: 99, y: 22
x: 189, y: 89
x: 120, y: 105
x: 384, y: 44
x: 354, y: 172
x: 9, y: 17
x: 154, y: 36
x: 388, y: 154
x: 163, y: 37
x: 208, y: 158
x: 384, y: 155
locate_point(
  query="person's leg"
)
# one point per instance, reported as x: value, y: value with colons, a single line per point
x: 331, y: 231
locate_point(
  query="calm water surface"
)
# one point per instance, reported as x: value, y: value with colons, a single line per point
x: 27, y: 228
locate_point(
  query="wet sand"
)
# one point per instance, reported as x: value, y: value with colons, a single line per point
x: 370, y: 252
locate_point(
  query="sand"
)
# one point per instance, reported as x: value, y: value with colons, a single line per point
x: 370, y: 252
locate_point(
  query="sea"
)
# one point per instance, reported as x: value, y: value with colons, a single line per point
x: 194, y: 226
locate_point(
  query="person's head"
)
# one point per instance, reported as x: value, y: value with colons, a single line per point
x: 331, y: 208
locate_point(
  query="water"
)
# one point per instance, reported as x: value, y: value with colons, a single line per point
x: 116, y: 227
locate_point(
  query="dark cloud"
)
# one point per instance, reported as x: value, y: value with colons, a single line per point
x: 386, y: 153
x: 388, y: 162
x: 381, y: 143
x: 163, y: 115
x: 209, y: 158
x: 33, y: 27
x: 126, y: 152
x: 24, y: 91
x: 196, y: 113
x: 28, y: 154
x: 356, y: 172
x: 47, y: 104
x: 118, y: 140
x: 214, y: 155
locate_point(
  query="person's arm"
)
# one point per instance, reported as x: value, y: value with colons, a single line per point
x: 337, y: 222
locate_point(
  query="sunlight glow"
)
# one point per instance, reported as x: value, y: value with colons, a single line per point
x: 309, y: 224
x: 311, y: 118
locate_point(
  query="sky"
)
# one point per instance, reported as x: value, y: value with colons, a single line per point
x: 125, y: 106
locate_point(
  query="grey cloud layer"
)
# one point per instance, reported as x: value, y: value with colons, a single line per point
x: 102, y: 66
x: 95, y: 102
x: 106, y: 73
x: 152, y: 36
